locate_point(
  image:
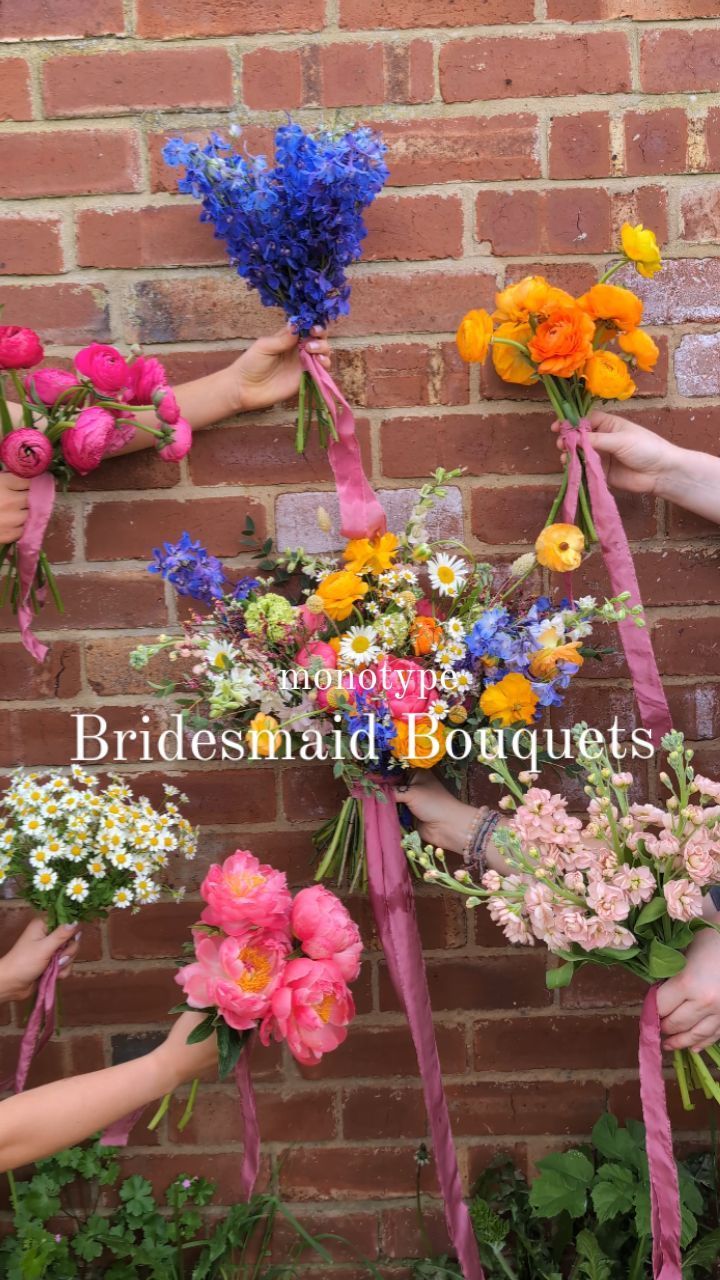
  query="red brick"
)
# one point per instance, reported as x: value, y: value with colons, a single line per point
x: 385, y: 1050
x: 67, y: 1055
x: 170, y: 19
x: 108, y: 668
x: 580, y: 146
x: 69, y: 162
x: 260, y: 453
x: 114, y: 83
x: 377, y: 14
x: 40, y: 20
x: 442, y: 920
x: 624, y: 1103
x: 30, y: 246
x: 257, y: 139
x: 15, y: 100
x: 712, y: 139
x: 693, y: 428
x: 166, y: 236
x: 410, y: 72
x: 525, y: 1107
x: 352, y: 75
x: 159, y: 931
x: 471, y: 149
x: 638, y: 10
x: 57, y: 678
x: 647, y: 204
x: 558, y: 1043
x: 697, y: 361
x: 101, y: 600
x: 494, y: 982
x: 680, y: 60
x: 414, y: 228
x: 557, y: 221
x: 49, y: 736
x: 503, y: 444
x: 534, y: 66
x: 62, y: 313
x: 238, y: 795
x: 161, y: 1169
x: 590, y: 989
x: 215, y: 521
x: 383, y: 1113
x: 273, y: 79
x: 700, y: 214
x: 656, y: 142
x: 285, y: 1114
x: 687, y: 646
x: 144, y: 469
x: 402, y: 374
x: 206, y: 307
x: 421, y: 303
x: 347, y: 1173
x: 695, y: 710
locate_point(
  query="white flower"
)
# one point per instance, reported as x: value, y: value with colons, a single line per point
x: 221, y: 656
x: 45, y: 880
x: 75, y: 852
x: 123, y: 898
x: 96, y: 867
x: 359, y: 646
x: 34, y: 826
x: 447, y: 574
x: 463, y: 681
x: 7, y: 839
x: 457, y: 651
x: 39, y: 858
x: 146, y: 890
x: 79, y: 774
x: 77, y: 890
x: 439, y: 709
x: 586, y: 602
x: 141, y: 866
x: 55, y: 848
x: 454, y: 629
x: 120, y: 858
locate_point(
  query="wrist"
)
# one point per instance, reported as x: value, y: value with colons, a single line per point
x: 165, y: 1074
x: 680, y: 472
x: 6, y: 986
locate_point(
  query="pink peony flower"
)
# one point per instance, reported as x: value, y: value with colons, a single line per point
x: 404, y: 687
x: 146, y: 377
x: 684, y: 899
x: 47, y: 385
x: 19, y: 348
x: 180, y: 444
x: 199, y: 980
x: 26, y: 452
x: 86, y: 443
x: 326, y: 931
x: 242, y: 893
x: 104, y: 367
x: 238, y: 975
x: 311, y: 1010
x: 167, y: 408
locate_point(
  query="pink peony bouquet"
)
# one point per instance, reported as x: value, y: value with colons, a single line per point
x: 65, y: 422
x: 266, y: 961
x: 621, y: 886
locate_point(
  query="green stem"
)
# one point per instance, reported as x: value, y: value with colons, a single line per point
x: 560, y: 497
x: 612, y: 269
x: 300, y: 428
x: 160, y: 1113
x: 679, y: 1061
x: 708, y: 1081
x: 424, y: 1235
x: 186, y: 1116
x: 13, y: 1191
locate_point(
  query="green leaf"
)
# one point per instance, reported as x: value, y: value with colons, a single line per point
x: 664, y: 961
x: 703, y: 1254
x: 616, y: 1143
x: 562, y: 976
x: 562, y: 1184
x: 614, y: 1191
x: 653, y: 910
x: 591, y: 1262
x: 230, y: 1046
x: 203, y: 1030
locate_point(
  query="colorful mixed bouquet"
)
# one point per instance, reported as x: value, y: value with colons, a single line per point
x: 623, y: 886
x: 71, y: 421
x: 291, y: 229
x: 389, y: 660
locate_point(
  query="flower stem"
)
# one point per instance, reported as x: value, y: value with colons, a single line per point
x: 161, y: 1112
x: 186, y: 1116
x: 679, y: 1061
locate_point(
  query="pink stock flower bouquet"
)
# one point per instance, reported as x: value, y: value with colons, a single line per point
x: 621, y: 886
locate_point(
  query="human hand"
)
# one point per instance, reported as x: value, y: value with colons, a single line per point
x: 442, y: 819
x: 179, y: 1061
x: 24, y: 963
x: 689, y: 1003
x: 14, y: 506
x: 635, y: 459
x: 269, y: 371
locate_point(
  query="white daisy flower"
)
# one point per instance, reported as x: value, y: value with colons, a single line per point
x: 70, y: 802
x: 120, y: 858
x: 445, y: 656
x: 55, y: 847
x: 123, y: 898
x: 458, y: 651
x: 77, y: 890
x: 45, y: 879
x: 7, y: 839
x: 39, y: 858
x: 34, y: 826
x: 75, y: 852
x: 359, y: 646
x: 439, y: 709
x: 96, y: 868
x: 146, y: 890
x: 448, y: 574
x: 454, y: 629
x: 221, y: 656
x: 463, y: 681
x: 141, y: 866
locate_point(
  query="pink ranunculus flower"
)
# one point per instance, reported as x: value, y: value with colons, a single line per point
x: 311, y: 1009
x: 404, y: 686
x: 180, y: 444
x: 167, y: 407
x: 47, y: 385
x: 26, y: 452
x: 326, y: 930
x: 310, y: 621
x: 19, y: 348
x: 684, y: 899
x: 243, y: 893
x: 86, y: 443
x: 104, y: 367
x: 146, y: 376
x: 124, y: 431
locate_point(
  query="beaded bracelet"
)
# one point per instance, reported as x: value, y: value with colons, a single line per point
x: 468, y: 847
x: 480, y: 838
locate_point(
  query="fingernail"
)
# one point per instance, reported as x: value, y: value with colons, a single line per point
x: 317, y: 328
x: 313, y: 346
x: 69, y: 928
x: 64, y: 961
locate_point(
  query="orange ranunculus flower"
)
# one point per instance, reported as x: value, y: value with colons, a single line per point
x: 262, y: 735
x: 429, y: 742
x: 607, y: 377
x: 641, y: 247
x: 339, y: 592
x: 335, y: 643
x: 559, y: 547
x: 613, y: 304
x: 474, y: 336
x: 424, y: 633
x: 511, y: 364
x: 511, y: 701
x: 371, y: 555
x: 544, y: 663
x: 533, y: 296
x: 563, y: 342
x: 638, y: 344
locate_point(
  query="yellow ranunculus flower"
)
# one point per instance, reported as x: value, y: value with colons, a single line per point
x: 262, y: 736
x: 339, y: 592
x: 371, y: 555
x: 474, y: 336
x: 638, y: 344
x: 429, y: 742
x: 559, y: 547
x: 544, y: 663
x: 607, y: 377
x: 511, y: 701
x: 510, y: 364
x: 613, y: 304
x: 641, y: 247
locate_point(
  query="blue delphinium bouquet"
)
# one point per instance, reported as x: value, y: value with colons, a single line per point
x: 292, y: 229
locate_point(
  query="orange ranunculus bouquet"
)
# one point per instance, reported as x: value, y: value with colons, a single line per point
x: 583, y: 350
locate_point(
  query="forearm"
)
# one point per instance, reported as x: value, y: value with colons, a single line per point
x: 694, y: 483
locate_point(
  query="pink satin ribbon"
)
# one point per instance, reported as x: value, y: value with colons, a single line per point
x: 664, y: 1189
x: 40, y: 1027
x: 636, y: 642
x: 393, y: 903
x: 248, y: 1108
x: 361, y: 515
x: 29, y: 545
x: 117, y: 1134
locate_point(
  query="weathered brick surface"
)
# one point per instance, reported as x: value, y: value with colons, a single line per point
x: 521, y: 135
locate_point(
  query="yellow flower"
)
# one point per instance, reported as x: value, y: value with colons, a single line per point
x: 429, y: 742
x: 607, y: 377
x: 544, y: 663
x: 510, y: 364
x: 339, y: 592
x: 559, y: 547
x: 511, y: 701
x: 473, y: 336
x: 613, y: 304
x: 262, y: 736
x: 371, y: 555
x: 638, y: 344
x: 641, y: 247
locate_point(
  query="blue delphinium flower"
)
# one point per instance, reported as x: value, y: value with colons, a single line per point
x: 245, y: 588
x: 290, y: 230
x: 190, y: 569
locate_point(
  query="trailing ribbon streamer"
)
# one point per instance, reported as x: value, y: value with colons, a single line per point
x: 664, y: 1189
x: 117, y: 1134
x: 41, y: 498
x: 393, y: 903
x: 39, y: 1029
x: 361, y: 515
x: 636, y: 642
x: 248, y: 1107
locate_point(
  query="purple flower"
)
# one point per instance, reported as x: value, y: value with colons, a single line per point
x: 190, y: 569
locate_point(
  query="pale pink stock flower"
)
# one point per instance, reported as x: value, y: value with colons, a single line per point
x: 326, y: 930
x: 311, y: 1009
x: 243, y: 893
x: 518, y: 931
x: 574, y: 881
x: 684, y: 900
x: 648, y: 814
x: 637, y: 882
x: 622, y: 779
x: 608, y: 900
x: 699, y: 862
x: 492, y: 881
x: 622, y: 939
x: 595, y: 934
x: 707, y: 787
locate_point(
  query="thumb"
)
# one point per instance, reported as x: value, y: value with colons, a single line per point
x: 282, y: 340
x: 58, y: 939
x: 607, y: 441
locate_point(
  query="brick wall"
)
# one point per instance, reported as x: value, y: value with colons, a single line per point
x: 522, y: 133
